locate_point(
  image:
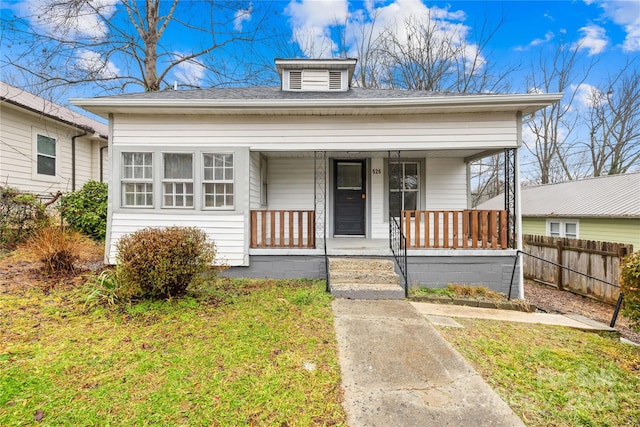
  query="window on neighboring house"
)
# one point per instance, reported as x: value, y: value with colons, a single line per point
x: 218, y: 180
x: 177, y: 180
x: 263, y: 181
x: 46, y: 148
x: 562, y: 228
x: 137, y: 179
x: 404, y: 186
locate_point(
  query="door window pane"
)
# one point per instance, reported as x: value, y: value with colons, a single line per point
x: 349, y: 176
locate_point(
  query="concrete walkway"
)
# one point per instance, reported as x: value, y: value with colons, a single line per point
x: 397, y: 370
x: 440, y: 313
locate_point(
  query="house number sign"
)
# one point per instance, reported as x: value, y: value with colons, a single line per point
x: 376, y: 171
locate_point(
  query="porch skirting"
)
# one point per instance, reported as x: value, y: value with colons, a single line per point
x: 436, y: 271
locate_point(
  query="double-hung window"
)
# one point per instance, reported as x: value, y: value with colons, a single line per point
x: 218, y: 180
x: 137, y: 179
x: 404, y: 187
x: 177, y: 180
x: 46, y: 155
x: 562, y: 228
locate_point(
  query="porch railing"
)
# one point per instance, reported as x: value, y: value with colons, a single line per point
x: 283, y: 229
x: 473, y: 229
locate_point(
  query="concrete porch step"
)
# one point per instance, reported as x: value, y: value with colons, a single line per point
x: 364, y: 278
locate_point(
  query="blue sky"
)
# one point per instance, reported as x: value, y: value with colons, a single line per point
x: 607, y: 30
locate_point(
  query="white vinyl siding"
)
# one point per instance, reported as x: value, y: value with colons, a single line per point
x: 321, y: 133
x: 446, y: 186
x: 18, y: 153
x: 226, y: 231
x: 290, y: 184
x: 254, y: 180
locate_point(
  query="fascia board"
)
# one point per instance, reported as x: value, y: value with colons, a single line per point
x: 527, y: 104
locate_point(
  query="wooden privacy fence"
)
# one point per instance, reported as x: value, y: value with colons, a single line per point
x: 486, y: 229
x: 597, y: 259
x: 282, y: 229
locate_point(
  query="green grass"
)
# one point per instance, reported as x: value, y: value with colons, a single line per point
x: 554, y: 376
x: 238, y: 353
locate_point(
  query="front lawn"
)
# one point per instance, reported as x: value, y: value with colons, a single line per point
x: 554, y: 376
x: 240, y: 353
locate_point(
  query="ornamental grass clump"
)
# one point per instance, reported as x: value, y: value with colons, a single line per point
x: 57, y: 248
x: 630, y: 288
x: 161, y: 263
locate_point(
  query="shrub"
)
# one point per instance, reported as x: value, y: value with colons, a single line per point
x: 58, y: 249
x: 162, y: 262
x: 85, y: 210
x: 630, y: 288
x: 20, y: 215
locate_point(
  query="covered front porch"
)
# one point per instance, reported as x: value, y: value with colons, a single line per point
x: 412, y: 207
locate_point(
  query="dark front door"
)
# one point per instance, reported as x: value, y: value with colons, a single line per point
x: 350, y: 198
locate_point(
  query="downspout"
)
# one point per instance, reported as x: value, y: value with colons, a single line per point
x: 73, y: 159
x: 102, y: 162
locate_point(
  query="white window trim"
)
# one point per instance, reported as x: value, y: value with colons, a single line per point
x: 203, y: 181
x: 402, y: 191
x: 563, y: 226
x: 191, y: 181
x: 124, y: 181
x: 57, y: 178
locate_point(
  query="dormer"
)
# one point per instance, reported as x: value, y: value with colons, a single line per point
x: 315, y: 75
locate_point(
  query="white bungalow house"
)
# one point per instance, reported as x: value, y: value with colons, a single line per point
x: 46, y: 148
x: 283, y: 178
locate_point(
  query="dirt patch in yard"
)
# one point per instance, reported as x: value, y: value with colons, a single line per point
x: 551, y: 300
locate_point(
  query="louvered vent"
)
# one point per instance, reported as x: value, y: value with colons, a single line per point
x: 335, y: 80
x: 295, y: 80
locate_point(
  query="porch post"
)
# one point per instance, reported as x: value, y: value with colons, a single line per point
x: 319, y: 197
x: 510, y: 184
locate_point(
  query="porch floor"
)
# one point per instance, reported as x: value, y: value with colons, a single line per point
x: 358, y: 246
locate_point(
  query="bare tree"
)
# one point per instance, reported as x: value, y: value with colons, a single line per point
x: 419, y: 54
x: 614, y: 125
x: 552, y: 127
x: 118, y: 43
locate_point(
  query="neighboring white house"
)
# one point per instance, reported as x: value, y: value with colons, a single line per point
x: 605, y: 209
x: 46, y: 148
x: 282, y: 177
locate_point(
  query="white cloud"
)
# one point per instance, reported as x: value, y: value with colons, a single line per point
x: 241, y: 16
x: 311, y: 22
x: 625, y: 13
x: 95, y: 64
x: 188, y: 72
x: 593, y: 38
x: 586, y: 95
x: 81, y: 22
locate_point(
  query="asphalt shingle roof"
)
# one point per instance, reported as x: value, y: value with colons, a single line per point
x: 613, y: 196
x: 50, y: 109
x: 276, y: 93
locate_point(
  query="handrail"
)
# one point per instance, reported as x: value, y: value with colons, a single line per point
x: 564, y: 267
x: 398, y: 244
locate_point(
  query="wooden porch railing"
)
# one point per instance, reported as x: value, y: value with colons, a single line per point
x: 471, y: 229
x: 283, y: 229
